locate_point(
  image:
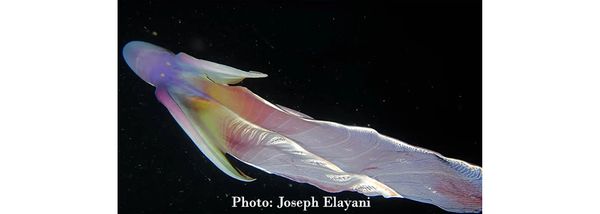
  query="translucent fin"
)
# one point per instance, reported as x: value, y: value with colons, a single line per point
x: 216, y: 72
x: 187, y: 119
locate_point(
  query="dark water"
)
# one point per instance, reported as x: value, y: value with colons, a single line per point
x: 412, y: 72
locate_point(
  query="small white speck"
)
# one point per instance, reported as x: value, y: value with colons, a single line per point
x: 168, y: 63
x: 154, y: 33
x: 162, y: 74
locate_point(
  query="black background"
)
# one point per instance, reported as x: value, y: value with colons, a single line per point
x: 412, y: 72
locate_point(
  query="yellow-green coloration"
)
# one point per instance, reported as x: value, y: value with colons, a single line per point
x: 204, y: 116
